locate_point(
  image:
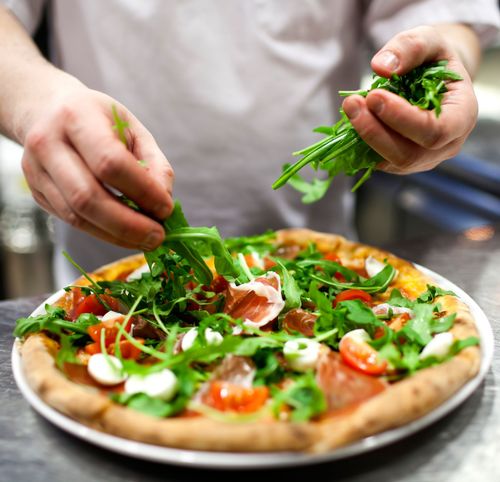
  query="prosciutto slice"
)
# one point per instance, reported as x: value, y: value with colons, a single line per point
x: 257, y: 302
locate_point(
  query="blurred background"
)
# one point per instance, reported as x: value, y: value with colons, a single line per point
x: 463, y: 194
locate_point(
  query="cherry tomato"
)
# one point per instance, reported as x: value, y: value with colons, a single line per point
x: 91, y: 304
x: 93, y: 348
x: 127, y: 349
x: 225, y: 396
x: 361, y: 356
x: 353, y: 295
x: 110, y: 328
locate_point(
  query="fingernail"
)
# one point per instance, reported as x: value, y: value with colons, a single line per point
x: 377, y: 106
x: 352, y: 109
x: 162, y: 211
x: 388, y: 60
x: 153, y: 239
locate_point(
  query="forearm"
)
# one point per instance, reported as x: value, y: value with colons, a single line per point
x: 465, y: 42
x: 29, y: 83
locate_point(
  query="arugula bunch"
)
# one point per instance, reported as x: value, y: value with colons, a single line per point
x: 343, y: 151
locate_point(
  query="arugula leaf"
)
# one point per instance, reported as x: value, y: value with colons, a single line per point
x: 54, y: 321
x: 260, y: 242
x: 313, y: 191
x: 269, y: 369
x: 432, y: 293
x: 343, y: 151
x: 304, y: 397
x: 290, y: 288
x: 375, y: 284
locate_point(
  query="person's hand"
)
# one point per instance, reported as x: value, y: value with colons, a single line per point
x: 72, y: 158
x: 408, y: 138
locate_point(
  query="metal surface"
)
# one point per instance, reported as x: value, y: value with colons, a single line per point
x: 464, y: 445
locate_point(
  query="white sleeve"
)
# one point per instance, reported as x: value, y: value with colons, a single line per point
x: 386, y: 18
x: 28, y: 12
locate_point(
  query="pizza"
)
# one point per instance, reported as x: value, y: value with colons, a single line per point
x: 288, y: 341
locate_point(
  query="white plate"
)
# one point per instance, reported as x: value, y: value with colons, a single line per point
x: 229, y: 460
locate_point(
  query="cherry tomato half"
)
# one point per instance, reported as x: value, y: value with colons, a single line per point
x: 91, y: 304
x: 225, y: 396
x: 361, y: 356
x: 353, y: 295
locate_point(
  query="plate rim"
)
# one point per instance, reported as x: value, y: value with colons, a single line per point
x: 262, y: 460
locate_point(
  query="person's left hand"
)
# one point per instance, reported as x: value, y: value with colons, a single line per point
x: 408, y: 138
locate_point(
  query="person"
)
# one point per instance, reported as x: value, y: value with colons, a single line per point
x: 227, y: 90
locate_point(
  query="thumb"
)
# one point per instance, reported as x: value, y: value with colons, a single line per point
x: 408, y: 50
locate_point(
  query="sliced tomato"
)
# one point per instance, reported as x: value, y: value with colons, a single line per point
x: 353, y: 295
x: 127, y: 349
x: 91, y: 304
x: 225, y: 396
x: 361, y: 356
x: 111, y: 330
x: 344, y: 387
x: 93, y: 348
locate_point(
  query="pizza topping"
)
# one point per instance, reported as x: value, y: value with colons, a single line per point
x: 110, y: 323
x: 97, y: 305
x: 212, y: 338
x: 301, y: 354
x: 299, y: 320
x: 373, y: 266
x: 137, y: 274
x: 225, y: 396
x: 238, y: 370
x: 384, y: 309
x: 353, y: 294
x: 439, y: 346
x: 106, y: 369
x: 306, y: 333
x: 257, y: 302
x: 358, y: 354
x: 162, y: 384
x: 342, y: 385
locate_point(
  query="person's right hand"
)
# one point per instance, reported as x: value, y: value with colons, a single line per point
x: 72, y: 155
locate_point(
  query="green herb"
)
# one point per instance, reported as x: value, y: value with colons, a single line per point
x: 290, y: 288
x: 375, y: 284
x: 53, y: 320
x: 343, y: 150
x: 304, y: 397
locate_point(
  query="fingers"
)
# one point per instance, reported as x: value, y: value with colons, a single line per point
x: 402, y: 154
x: 146, y: 149
x: 63, y: 185
x: 458, y: 116
x: 408, y: 50
x: 113, y: 164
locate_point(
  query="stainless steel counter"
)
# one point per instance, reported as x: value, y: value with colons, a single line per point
x: 464, y: 446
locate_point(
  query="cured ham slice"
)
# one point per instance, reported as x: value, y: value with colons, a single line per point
x: 257, y: 302
x: 344, y: 387
x: 301, y: 321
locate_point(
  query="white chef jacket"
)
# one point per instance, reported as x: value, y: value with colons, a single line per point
x: 229, y: 89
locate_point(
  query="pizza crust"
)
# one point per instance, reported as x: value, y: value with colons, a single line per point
x: 403, y: 402
x: 90, y: 407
